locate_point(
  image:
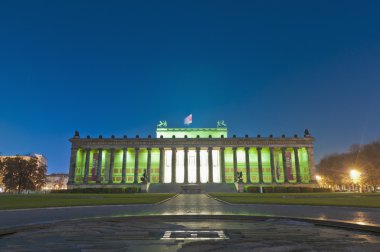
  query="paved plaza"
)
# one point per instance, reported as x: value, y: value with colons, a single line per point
x: 147, y: 233
x: 190, y: 204
x: 143, y: 227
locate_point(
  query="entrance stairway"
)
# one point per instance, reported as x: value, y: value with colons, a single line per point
x: 191, y: 188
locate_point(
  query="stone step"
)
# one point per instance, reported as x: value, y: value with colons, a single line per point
x: 191, y: 188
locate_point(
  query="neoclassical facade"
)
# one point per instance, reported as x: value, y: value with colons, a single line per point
x: 191, y: 156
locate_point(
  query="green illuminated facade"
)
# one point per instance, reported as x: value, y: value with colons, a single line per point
x: 191, y: 156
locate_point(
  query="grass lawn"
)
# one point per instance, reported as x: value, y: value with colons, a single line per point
x: 315, y: 199
x: 73, y: 199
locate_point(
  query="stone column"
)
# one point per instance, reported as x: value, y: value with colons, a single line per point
x: 297, y: 161
x: 286, y: 177
x: 87, y: 166
x: 247, y: 165
x: 136, y: 174
x: 149, y: 163
x: 174, y: 164
x: 73, y: 163
x: 235, y: 163
x: 198, y: 157
x: 210, y: 166
x: 99, y: 168
x: 222, y: 165
x: 124, y: 167
x: 186, y: 164
x: 112, y: 162
x: 272, y: 168
x: 310, y: 159
x: 161, y: 167
x: 259, y: 159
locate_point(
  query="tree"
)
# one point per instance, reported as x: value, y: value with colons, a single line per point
x: 1, y: 172
x: 335, y: 168
x: 21, y: 174
x: 369, y: 160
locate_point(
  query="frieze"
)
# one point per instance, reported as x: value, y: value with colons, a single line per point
x: 190, y: 142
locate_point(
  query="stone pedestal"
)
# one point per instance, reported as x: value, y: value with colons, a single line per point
x: 144, y: 187
x: 239, y: 186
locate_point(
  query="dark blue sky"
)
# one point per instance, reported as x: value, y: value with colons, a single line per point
x: 117, y: 67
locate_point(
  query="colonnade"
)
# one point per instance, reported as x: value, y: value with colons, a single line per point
x: 186, y: 167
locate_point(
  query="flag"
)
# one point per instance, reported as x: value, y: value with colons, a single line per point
x: 188, y: 119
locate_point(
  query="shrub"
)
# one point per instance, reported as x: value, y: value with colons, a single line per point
x: 321, y: 190
x: 133, y: 189
x: 306, y: 189
x: 253, y: 189
x: 279, y: 189
x: 268, y: 189
x: 293, y: 189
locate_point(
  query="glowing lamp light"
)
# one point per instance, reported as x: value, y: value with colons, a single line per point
x: 318, y: 178
x: 355, y: 175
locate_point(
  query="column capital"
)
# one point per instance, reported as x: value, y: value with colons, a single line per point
x: 137, y: 148
x: 210, y: 148
x: 234, y: 148
x: 247, y: 148
x: 259, y: 148
x: 222, y: 148
x: 149, y: 148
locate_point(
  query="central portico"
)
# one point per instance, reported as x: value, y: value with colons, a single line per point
x: 181, y: 164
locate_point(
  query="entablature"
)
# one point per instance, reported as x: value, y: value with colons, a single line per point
x: 119, y: 143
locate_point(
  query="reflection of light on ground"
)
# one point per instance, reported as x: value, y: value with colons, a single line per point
x: 191, y: 212
x: 361, y: 218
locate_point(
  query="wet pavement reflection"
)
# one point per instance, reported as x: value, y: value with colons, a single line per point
x: 192, y: 204
x: 179, y: 233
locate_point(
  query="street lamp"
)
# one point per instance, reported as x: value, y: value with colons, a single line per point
x: 355, y: 176
x: 319, y: 180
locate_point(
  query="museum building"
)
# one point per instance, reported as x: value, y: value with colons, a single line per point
x: 191, y: 156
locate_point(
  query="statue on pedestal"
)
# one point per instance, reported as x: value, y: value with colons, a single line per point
x: 239, y: 177
x: 144, y: 177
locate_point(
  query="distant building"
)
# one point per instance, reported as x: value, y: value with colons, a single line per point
x: 41, y: 159
x: 56, y: 181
